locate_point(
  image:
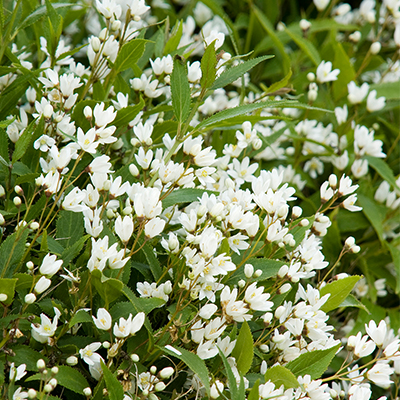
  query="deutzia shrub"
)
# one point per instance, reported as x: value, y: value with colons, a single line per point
x: 198, y: 200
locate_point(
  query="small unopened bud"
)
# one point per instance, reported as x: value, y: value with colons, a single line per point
x: 116, y: 25
x: 166, y: 372
x: 30, y: 265
x: 332, y: 181
x: 241, y: 283
x: 88, y: 113
x: 264, y: 348
x: 296, y: 212
x: 312, y: 95
x: 350, y: 242
x: 256, y: 144
x: 135, y: 142
x: 39, y: 181
x: 282, y: 211
x: 72, y: 360
x: 267, y: 318
x: 54, y: 370
x: 153, y: 369
x: 2, y: 191
x: 304, y: 222
x: 248, y: 271
x: 3, y: 297
x: 103, y: 34
x: 110, y: 214
x: 283, y: 271
x: 95, y: 43
x: 334, y: 394
x: 87, y: 391
x: 159, y: 386
x: 133, y: 169
x: 284, y: 288
x: 226, y: 56
x: 34, y: 225
x: 17, y: 201
x: 31, y: 393
x: 42, y: 285
x: 30, y: 298
x: 135, y: 358
x: 304, y: 25
x: 311, y: 77
x: 106, y: 344
x: 375, y: 48
x: 279, y: 312
x: 145, y: 392
x: 48, y: 111
x: 53, y: 382
x: 2, y: 220
x: 18, y: 190
x: 355, y: 249
x: 41, y: 365
x: 355, y: 36
x: 257, y: 273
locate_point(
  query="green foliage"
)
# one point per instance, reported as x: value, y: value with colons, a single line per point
x: 180, y: 90
x: 281, y: 376
x: 243, y: 351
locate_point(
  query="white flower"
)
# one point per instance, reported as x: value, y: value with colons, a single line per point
x: 103, y: 320
x: 123, y: 327
x: 357, y: 94
x: 324, y: 72
x: 374, y: 104
x: 124, y: 228
x: 88, y: 353
x: 321, y: 4
x: 50, y: 265
x: 380, y: 374
x: 16, y: 373
x: 44, y: 143
x: 154, y: 227
x: 42, y: 285
x: 137, y: 322
x: 19, y: 395
x: 341, y: 114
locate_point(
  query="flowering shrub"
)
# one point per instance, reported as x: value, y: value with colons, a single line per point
x: 183, y: 217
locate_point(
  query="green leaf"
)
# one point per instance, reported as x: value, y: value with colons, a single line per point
x: 180, y: 90
x: 338, y: 291
x: 281, y: 84
x: 232, y: 74
x: 253, y: 395
x: 4, y: 148
x: 193, y: 361
x: 129, y: 54
x: 26, y: 355
x: 127, y: 114
x: 4, y: 124
x: 314, y: 363
x: 184, y: 195
x: 280, y: 375
x: 79, y: 317
x: 7, y: 287
x: 381, y: 167
x: 71, y: 252
x: 231, y: 378
x: 351, y: 301
x: 11, y: 253
x: 69, y: 228
x: 152, y: 260
x: 347, y: 73
x: 23, y: 142
x: 374, y: 212
x: 114, y: 388
x: 71, y: 379
x: 395, y: 253
x: 174, y: 39
x: 305, y: 45
x: 208, y: 66
x: 267, y: 26
x: 390, y: 90
x: 244, y: 350
x: 247, y: 108
x: 109, y: 289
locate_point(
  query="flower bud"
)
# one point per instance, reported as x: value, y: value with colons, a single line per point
x: 17, y: 201
x: 103, y: 34
x: 279, y: 312
x: 87, y: 112
x: 42, y: 284
x: 217, y: 210
x: 304, y: 222
x: 110, y: 214
x: 241, y: 283
x: 256, y: 144
x: 18, y: 190
x: 283, y: 271
x: 153, y: 369
x: 54, y: 370
x: 257, y: 273
x: 284, y: 288
x: 350, y: 242
x: 34, y: 225
x: 207, y: 311
x: 41, y: 365
x: 304, y: 25
x: 48, y: 111
x: 116, y: 25
x: 30, y: 265
x: 53, y: 382
x: 31, y: 393
x: 106, y: 344
x: 135, y: 358
x: 267, y: 318
x: 355, y: 36
x: 133, y: 169
x: 375, y: 48
x: 3, y: 297
x: 248, y: 271
x: 355, y: 249
x: 332, y: 181
x: 159, y: 386
x: 87, y: 391
x: 72, y: 360
x: 264, y: 348
x: 311, y: 77
x: 312, y: 95
x: 2, y: 220
x: 296, y: 212
x: 30, y: 298
x: 95, y: 43
x: 166, y: 372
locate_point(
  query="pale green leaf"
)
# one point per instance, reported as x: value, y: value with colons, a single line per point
x: 129, y: 54
x: 244, y: 351
x: 374, y: 212
x: 280, y: 375
x: 184, y: 195
x: 208, y: 66
x: 79, y: 317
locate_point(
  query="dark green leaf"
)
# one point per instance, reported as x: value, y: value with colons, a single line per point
x: 114, y: 387
x: 152, y: 260
x: 395, y: 253
x: 253, y: 395
x: 305, y: 45
x: 231, y: 378
x: 11, y: 252
x: 244, y: 351
x: 193, y: 361
x: 23, y: 142
x: 347, y: 73
x: 69, y: 228
x: 280, y: 375
x: 109, y: 289
x: 71, y: 252
x: 180, y: 90
x: 7, y: 287
x: 127, y: 114
x: 314, y: 363
x: 338, y: 291
x: 184, y: 195
x: 26, y: 355
x: 231, y: 74
x: 79, y: 317
x: 71, y: 379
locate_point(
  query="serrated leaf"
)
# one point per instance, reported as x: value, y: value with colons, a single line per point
x: 338, y: 291
x: 4, y: 124
x: 114, y: 387
x: 69, y: 228
x: 174, y: 39
x: 152, y: 260
x: 184, y: 195
x: 26, y: 355
x: 193, y: 361
x: 71, y: 252
x: 381, y: 167
x: 280, y: 375
x: 11, y: 252
x: 71, y: 379
x: 232, y: 74
x: 253, y: 395
x: 208, y: 65
x: 180, y: 90
x: 280, y: 84
x: 244, y: 351
x: 129, y: 54
x: 79, y: 317
x: 305, y: 45
x: 314, y: 363
x: 7, y: 287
